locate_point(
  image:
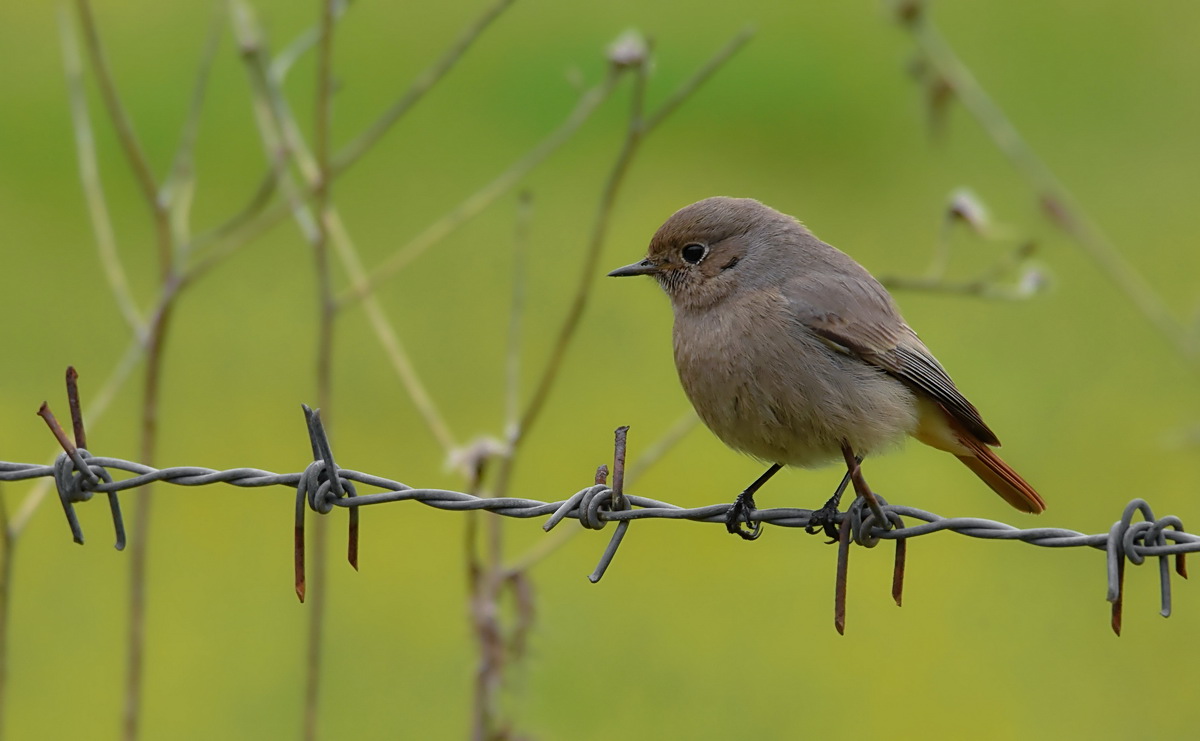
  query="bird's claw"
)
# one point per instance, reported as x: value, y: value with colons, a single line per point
x: 824, y: 519
x: 739, y: 513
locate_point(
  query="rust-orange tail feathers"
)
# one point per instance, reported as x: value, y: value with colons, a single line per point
x: 940, y: 429
x: 999, y: 475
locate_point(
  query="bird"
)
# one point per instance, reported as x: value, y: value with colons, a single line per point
x: 792, y: 352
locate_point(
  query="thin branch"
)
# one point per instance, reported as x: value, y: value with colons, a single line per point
x: 636, y: 132
x: 630, y: 51
x: 139, y: 547
x: 259, y: 200
x: 1056, y: 200
x: 286, y: 59
x: 180, y: 184
x: 290, y: 137
x: 516, y: 313
x: 424, y: 82
x: 685, y: 91
x: 155, y: 338
x: 322, y: 115
x: 358, y: 147
x: 89, y: 175
x: 134, y: 153
x: 485, y: 196
x: 277, y: 69
x: 322, y: 119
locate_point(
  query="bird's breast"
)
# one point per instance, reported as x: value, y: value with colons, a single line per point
x: 767, y: 386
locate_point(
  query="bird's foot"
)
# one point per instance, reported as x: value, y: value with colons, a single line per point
x: 825, y: 519
x: 739, y: 514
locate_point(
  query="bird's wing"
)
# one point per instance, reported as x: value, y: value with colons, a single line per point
x: 855, y: 315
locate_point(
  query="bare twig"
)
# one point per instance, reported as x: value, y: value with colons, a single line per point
x: 635, y: 52
x: 251, y: 44
x: 322, y: 115
x: 156, y: 334
x: 279, y: 130
x: 154, y: 338
x: 259, y: 200
x: 136, y: 647
x: 180, y: 184
x: 636, y: 131
x: 132, y: 147
x: 89, y: 176
x: 1058, y: 202
x: 516, y: 313
x: 424, y: 82
x: 286, y: 59
x: 485, y: 196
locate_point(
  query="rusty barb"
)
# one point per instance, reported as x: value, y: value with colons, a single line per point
x: 74, y: 478
x: 323, y: 486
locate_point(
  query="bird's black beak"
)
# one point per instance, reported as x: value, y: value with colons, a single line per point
x: 645, y: 267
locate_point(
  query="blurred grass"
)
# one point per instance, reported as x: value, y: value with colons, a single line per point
x: 817, y: 118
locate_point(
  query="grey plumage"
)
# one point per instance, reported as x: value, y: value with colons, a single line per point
x: 788, y: 348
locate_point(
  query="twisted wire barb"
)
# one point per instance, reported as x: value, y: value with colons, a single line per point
x: 78, y: 475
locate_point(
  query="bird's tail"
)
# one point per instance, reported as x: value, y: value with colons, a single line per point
x: 1000, y: 476
x: 939, y: 429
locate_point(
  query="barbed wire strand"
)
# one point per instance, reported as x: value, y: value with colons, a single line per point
x: 78, y: 474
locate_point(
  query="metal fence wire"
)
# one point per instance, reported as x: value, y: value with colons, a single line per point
x: 78, y: 475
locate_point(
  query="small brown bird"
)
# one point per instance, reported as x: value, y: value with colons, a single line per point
x: 792, y: 352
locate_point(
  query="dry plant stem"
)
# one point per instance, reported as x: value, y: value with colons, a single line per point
x: 981, y: 287
x: 484, y: 583
x: 362, y: 287
x: 180, y: 184
x: 324, y: 354
x: 989, y: 284
x: 637, y: 130
x: 516, y: 312
x: 155, y: 337
x: 134, y: 154
x: 638, y: 127
x: 281, y: 133
x: 1057, y: 201
x: 486, y: 576
x: 141, y: 528
x: 250, y: 41
x: 89, y: 176
x: 259, y: 200
x: 425, y: 81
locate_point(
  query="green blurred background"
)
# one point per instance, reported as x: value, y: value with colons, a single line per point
x: 692, y: 634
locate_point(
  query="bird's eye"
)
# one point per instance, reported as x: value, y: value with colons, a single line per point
x: 694, y: 252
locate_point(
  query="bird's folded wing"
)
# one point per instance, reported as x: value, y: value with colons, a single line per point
x: 855, y: 315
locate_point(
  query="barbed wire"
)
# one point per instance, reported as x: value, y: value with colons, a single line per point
x: 78, y: 475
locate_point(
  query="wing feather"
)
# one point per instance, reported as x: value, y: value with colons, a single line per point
x: 856, y: 315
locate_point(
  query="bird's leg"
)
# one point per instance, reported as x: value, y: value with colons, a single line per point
x: 826, y: 518
x: 741, y: 509
x: 854, y: 468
